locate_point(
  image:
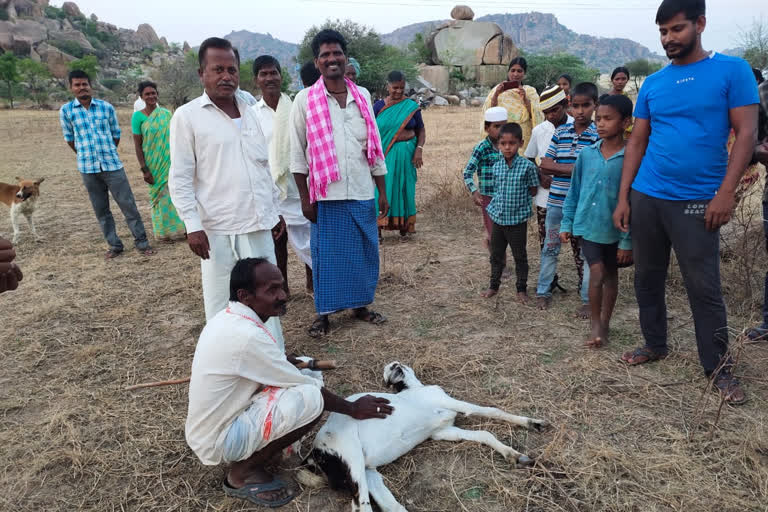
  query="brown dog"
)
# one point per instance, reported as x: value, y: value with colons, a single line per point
x: 22, y: 199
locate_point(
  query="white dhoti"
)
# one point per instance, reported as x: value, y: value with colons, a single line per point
x: 273, y: 414
x: 299, y: 228
x: 225, y: 251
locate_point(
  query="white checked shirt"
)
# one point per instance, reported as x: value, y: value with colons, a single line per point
x: 350, y: 136
x: 219, y: 179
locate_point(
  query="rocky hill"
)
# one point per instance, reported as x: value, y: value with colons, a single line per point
x: 536, y: 32
x: 251, y: 45
x: 56, y: 36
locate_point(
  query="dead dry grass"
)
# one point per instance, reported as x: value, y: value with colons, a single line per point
x: 80, y: 329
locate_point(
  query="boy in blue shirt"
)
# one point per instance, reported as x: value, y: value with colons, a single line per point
x: 588, y: 212
x: 567, y: 142
x: 484, y: 157
x: 515, y: 181
x: 682, y: 185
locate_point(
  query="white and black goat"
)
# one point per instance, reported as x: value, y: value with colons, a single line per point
x: 348, y: 451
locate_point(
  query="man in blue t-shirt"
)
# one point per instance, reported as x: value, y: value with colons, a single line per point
x: 680, y: 183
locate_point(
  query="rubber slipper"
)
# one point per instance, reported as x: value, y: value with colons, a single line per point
x: 371, y: 317
x: 757, y: 334
x: 641, y: 355
x: 112, y: 254
x: 319, y: 327
x: 251, y: 491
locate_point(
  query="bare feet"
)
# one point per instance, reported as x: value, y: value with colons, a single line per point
x: 522, y: 298
x: 584, y: 312
x: 490, y: 292
x: 543, y: 303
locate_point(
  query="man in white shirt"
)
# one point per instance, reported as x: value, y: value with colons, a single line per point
x: 219, y: 179
x: 274, y: 113
x: 554, y: 105
x: 345, y: 243
x: 247, y: 400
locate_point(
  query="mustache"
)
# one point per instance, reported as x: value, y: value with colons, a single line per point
x: 225, y: 82
x: 280, y: 303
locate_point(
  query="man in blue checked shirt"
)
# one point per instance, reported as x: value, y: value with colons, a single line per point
x: 91, y: 130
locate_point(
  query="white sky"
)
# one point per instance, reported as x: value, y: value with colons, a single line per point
x: 194, y: 20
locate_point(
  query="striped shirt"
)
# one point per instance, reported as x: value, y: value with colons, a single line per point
x: 94, y: 132
x: 565, y: 147
x: 512, y: 199
x: 483, y: 158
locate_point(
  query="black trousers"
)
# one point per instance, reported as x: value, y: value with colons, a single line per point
x: 516, y: 238
x: 659, y: 225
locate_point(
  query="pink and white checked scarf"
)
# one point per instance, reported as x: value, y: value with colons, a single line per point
x: 323, y: 162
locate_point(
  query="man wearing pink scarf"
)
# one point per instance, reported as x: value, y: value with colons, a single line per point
x: 336, y: 158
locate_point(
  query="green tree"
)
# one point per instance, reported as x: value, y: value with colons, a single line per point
x: 419, y: 50
x: 640, y: 69
x: 9, y: 74
x: 178, y: 81
x: 755, y: 44
x: 544, y: 70
x: 363, y: 43
x: 38, y: 79
x: 89, y: 64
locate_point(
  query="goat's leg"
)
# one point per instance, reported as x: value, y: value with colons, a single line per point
x: 380, y: 493
x: 492, y: 412
x: 483, y: 437
x: 352, y: 453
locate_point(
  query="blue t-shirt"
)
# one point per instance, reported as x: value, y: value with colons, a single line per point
x: 688, y: 110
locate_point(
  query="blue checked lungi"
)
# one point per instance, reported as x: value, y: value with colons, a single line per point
x: 345, y: 255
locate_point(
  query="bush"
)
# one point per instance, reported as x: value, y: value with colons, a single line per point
x: 3, y: 14
x: 544, y: 70
x: 55, y: 13
x: 111, y: 83
x: 70, y: 47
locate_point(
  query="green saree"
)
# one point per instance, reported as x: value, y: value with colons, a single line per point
x: 155, y: 132
x: 401, y: 173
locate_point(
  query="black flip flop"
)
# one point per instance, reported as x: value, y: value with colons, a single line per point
x: 319, y: 327
x: 250, y: 493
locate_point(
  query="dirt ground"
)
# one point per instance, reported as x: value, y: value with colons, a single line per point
x: 80, y: 329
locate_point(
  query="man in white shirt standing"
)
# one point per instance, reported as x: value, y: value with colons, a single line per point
x: 219, y: 179
x: 554, y: 105
x: 247, y: 399
x: 274, y: 113
x: 336, y: 157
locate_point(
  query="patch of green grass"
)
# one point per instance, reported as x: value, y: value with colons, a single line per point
x: 554, y: 355
x: 473, y: 493
x: 622, y: 337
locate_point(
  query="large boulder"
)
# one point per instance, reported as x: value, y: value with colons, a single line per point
x: 56, y: 60
x: 74, y: 36
x: 6, y: 35
x: 463, y: 43
x: 30, y: 30
x: 71, y: 9
x: 437, y: 76
x: 500, y: 50
x: 28, y: 8
x: 462, y: 12
x: 146, y: 36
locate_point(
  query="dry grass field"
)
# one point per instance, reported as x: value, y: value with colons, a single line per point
x: 80, y: 329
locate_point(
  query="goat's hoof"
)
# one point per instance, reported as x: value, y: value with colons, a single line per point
x: 524, y: 461
x: 538, y: 425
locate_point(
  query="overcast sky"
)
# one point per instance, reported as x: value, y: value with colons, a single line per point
x: 194, y: 20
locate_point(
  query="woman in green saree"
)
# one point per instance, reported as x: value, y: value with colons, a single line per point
x: 150, y: 127
x: 402, y: 138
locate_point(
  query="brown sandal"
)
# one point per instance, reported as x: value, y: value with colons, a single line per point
x: 642, y: 355
x: 112, y: 254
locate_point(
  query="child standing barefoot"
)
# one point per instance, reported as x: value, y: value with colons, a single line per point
x: 515, y: 180
x: 588, y: 211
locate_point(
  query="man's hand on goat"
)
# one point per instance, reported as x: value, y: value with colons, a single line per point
x: 369, y: 407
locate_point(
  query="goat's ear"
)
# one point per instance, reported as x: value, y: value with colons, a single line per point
x: 17, y: 178
x: 40, y: 180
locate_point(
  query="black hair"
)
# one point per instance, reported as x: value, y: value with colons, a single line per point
x: 758, y: 75
x: 620, y: 69
x: 395, y: 76
x: 215, y: 42
x: 146, y: 83
x: 241, y: 277
x: 587, y: 89
x: 567, y: 77
x: 513, y: 129
x: 78, y: 73
x: 692, y: 9
x: 309, y: 74
x: 601, y: 98
x: 265, y: 61
x: 520, y: 61
x: 618, y: 102
x: 328, y: 36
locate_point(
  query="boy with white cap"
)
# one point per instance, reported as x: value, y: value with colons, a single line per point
x: 484, y: 157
